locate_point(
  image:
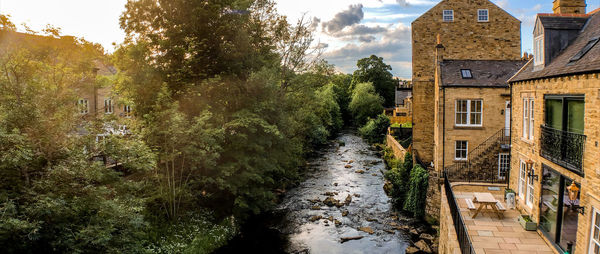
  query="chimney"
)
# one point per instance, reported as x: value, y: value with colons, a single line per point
x: 569, y: 6
x: 439, y: 50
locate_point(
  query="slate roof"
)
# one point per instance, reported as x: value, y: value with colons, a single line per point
x: 486, y: 73
x: 563, y: 22
x: 561, y: 65
x: 401, y: 95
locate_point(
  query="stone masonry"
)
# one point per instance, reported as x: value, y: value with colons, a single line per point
x: 464, y: 38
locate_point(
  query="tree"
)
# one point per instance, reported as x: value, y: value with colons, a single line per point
x: 365, y: 103
x: 374, y: 70
x: 375, y: 129
x: 416, y: 199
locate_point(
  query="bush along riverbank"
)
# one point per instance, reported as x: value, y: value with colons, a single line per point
x: 406, y: 184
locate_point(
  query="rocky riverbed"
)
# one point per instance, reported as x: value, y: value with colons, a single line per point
x: 340, y: 207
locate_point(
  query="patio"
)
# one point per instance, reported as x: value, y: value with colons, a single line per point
x: 488, y: 233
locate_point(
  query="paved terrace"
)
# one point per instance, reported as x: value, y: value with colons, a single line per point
x: 491, y: 235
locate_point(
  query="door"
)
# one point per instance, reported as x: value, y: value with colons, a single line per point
x: 507, y: 119
x: 503, y: 165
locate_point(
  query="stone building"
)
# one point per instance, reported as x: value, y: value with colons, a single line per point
x: 555, y: 166
x: 470, y: 30
x: 472, y: 117
x: 402, y: 112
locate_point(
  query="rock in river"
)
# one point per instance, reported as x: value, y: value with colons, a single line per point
x: 367, y: 229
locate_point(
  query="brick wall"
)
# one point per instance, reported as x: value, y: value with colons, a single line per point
x: 589, y: 85
x: 464, y: 38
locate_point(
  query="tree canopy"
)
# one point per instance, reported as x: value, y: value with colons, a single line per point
x: 373, y: 69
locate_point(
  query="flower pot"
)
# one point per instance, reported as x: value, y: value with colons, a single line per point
x: 527, y: 223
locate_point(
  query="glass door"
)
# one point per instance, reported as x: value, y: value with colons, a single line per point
x: 550, y: 203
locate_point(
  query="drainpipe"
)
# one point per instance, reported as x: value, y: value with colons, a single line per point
x: 439, y: 52
x: 510, y: 130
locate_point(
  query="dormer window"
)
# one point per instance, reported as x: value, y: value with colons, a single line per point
x: 448, y: 15
x: 591, y: 43
x: 483, y: 15
x: 538, y: 51
x: 466, y: 74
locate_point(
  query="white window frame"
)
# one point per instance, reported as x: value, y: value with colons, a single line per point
x: 466, y: 149
x: 593, y: 227
x: 501, y: 163
x: 448, y: 15
x: 480, y: 15
x: 538, y: 50
x: 528, y: 118
x: 530, y: 191
x: 522, y: 179
x: 84, y: 106
x: 469, y: 112
x: 108, y: 106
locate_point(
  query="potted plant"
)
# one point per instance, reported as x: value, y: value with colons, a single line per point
x: 527, y: 223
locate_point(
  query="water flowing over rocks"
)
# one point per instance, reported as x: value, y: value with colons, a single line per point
x: 335, y: 210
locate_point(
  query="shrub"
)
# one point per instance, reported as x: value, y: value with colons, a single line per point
x: 417, y: 194
x: 374, y: 131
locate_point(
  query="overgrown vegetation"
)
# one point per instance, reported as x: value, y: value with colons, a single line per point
x: 407, y: 184
x: 228, y: 100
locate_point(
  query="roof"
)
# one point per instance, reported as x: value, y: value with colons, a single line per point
x: 486, y: 73
x: 563, y: 21
x: 401, y: 95
x: 561, y: 65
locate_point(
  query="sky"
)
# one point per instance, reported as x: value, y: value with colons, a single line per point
x: 347, y: 30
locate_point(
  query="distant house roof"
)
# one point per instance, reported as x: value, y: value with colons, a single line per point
x: 484, y: 73
x: 563, y: 64
x: 563, y: 21
x: 401, y: 95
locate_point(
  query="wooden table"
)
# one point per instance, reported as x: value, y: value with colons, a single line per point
x: 485, y: 199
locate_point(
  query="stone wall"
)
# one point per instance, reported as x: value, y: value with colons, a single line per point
x: 432, y: 209
x: 448, y: 240
x: 523, y: 149
x: 464, y: 38
x: 399, y: 151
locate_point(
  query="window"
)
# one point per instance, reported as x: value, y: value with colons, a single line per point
x: 469, y: 112
x: 503, y: 165
x: 448, y: 15
x: 591, y: 43
x: 461, y: 150
x: 565, y: 113
x: 530, y: 189
x: 528, y: 118
x: 522, y: 179
x: 483, y: 15
x: 83, y: 106
x: 466, y: 74
x: 595, y: 234
x: 108, y: 107
x: 127, y: 110
x: 538, y: 51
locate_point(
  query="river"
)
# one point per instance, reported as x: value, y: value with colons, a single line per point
x: 338, y: 173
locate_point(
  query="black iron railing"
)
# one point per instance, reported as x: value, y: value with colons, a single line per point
x: 562, y: 147
x: 459, y: 225
x: 482, y: 163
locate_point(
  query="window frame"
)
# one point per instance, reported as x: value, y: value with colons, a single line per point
x: 81, y: 102
x: 593, y: 241
x: 522, y: 179
x: 127, y: 110
x: 108, y: 107
x: 530, y: 190
x: 487, y: 15
x: 450, y: 15
x: 538, y: 50
x: 463, y: 71
x: 466, y: 150
x: 468, y: 112
x: 528, y: 120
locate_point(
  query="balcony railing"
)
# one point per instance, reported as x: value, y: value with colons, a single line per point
x: 563, y: 148
x: 462, y: 235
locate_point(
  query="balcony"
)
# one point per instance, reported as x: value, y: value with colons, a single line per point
x: 563, y: 148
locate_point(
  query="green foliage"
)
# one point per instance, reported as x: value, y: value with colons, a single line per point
x: 399, y: 176
x: 372, y: 69
x: 417, y: 194
x: 365, y: 103
x: 408, y: 162
x: 375, y: 129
